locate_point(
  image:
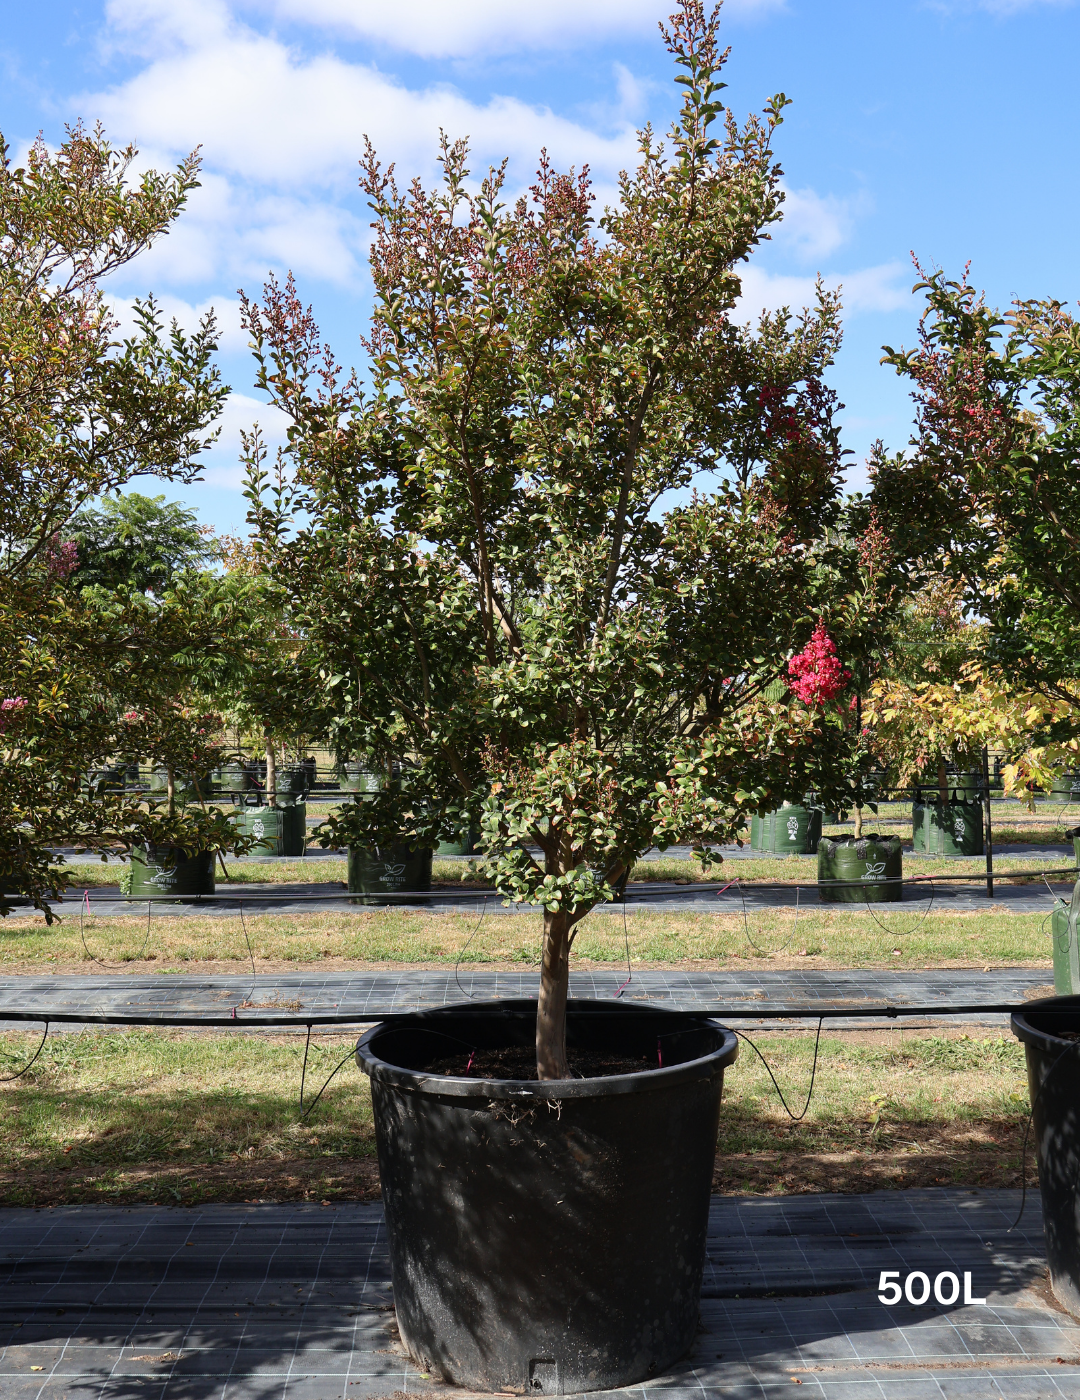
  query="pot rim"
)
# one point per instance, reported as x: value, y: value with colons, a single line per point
x: 1043, y: 1039
x: 551, y: 1090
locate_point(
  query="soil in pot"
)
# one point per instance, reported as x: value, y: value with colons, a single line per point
x: 547, y: 1237
x: 1050, y: 1031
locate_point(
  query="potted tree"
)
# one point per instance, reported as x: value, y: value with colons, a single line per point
x: 490, y: 595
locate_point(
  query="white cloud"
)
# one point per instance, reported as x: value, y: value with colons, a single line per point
x: 456, y: 28
x: 232, y: 338
x: 816, y: 225
x: 241, y: 413
x: 869, y: 289
x: 264, y: 113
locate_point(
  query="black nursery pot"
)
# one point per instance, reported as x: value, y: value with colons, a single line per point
x: 1053, y: 1066
x: 547, y: 1237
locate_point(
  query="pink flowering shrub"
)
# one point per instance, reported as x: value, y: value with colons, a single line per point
x: 815, y: 674
x: 61, y: 558
x: 9, y: 710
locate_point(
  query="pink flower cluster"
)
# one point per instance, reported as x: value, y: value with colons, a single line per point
x: 9, y: 709
x: 61, y: 558
x: 815, y: 674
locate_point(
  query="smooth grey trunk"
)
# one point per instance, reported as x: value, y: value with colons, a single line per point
x: 271, y: 773
x: 858, y: 823
x: 942, y: 782
x: 551, y: 1060
x: 170, y: 788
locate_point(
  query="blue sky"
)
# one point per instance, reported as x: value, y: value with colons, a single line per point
x: 943, y: 126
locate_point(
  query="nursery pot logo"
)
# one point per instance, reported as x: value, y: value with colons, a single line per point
x: 393, y: 875
x: 793, y: 828
x: 875, y: 870
x: 257, y: 827
x: 958, y: 826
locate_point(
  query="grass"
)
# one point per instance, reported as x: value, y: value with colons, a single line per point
x: 181, y: 1118
x: 836, y: 937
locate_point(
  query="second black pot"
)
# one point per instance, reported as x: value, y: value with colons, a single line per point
x: 547, y: 1237
x: 1053, y: 1066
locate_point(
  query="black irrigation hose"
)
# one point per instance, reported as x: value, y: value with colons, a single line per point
x: 465, y: 949
x: 29, y: 1065
x: 795, y: 1118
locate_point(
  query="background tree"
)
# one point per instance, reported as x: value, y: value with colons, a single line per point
x: 81, y: 414
x: 497, y: 556
x: 137, y: 541
x: 992, y: 474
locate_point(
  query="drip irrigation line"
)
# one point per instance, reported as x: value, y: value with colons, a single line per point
x: 795, y: 1118
x: 629, y: 972
x: 920, y: 920
x: 465, y: 949
x: 303, y: 1072
x: 746, y: 922
x: 360, y: 1017
x: 251, y: 955
x: 84, y: 907
x: 340, y: 1065
x: 7, y: 1078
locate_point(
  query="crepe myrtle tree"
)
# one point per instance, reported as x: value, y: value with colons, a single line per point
x: 83, y: 411
x: 554, y: 557
x: 991, y: 485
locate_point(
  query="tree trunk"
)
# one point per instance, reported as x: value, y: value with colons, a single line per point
x: 942, y: 782
x: 551, y: 1007
x: 271, y: 773
x: 170, y: 788
x: 858, y: 823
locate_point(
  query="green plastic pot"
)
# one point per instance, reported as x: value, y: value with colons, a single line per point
x: 280, y: 831
x: 165, y: 872
x: 794, y: 830
x: 955, y: 829
x: 388, y: 870
x: 1066, y: 949
x: 465, y: 845
x: 187, y: 787
x: 1066, y: 788
x: 234, y: 777
x: 869, y: 870
x: 291, y: 784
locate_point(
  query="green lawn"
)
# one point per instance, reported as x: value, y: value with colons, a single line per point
x: 145, y: 1115
x: 835, y: 937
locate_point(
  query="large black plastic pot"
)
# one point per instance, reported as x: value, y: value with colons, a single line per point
x: 547, y: 1237
x: 167, y: 872
x: 866, y: 871
x: 1053, y: 1066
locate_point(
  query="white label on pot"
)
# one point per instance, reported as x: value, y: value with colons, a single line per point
x: 793, y: 828
x: 875, y: 870
x: 393, y: 875
x: 958, y: 827
x: 257, y: 827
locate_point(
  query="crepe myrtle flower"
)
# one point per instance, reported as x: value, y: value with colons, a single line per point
x: 815, y: 674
